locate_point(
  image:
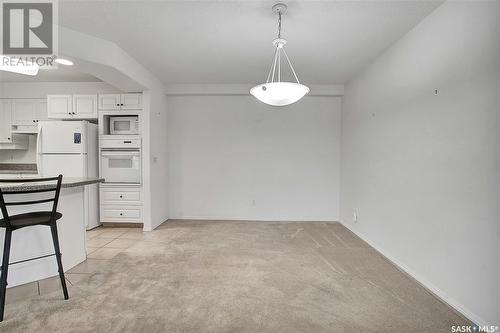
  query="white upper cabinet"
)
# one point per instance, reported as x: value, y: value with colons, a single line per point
x: 120, y: 102
x: 109, y: 102
x: 131, y: 101
x: 23, y: 112
x: 60, y: 106
x: 26, y: 113
x: 41, y: 110
x: 5, y: 121
x: 85, y: 106
x: 72, y: 106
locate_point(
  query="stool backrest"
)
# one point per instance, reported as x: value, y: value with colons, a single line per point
x: 55, y: 187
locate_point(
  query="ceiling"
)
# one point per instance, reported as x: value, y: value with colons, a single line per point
x: 230, y: 41
x: 60, y: 74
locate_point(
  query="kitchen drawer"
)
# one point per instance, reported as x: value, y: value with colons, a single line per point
x: 121, y: 214
x: 118, y: 196
x: 120, y: 143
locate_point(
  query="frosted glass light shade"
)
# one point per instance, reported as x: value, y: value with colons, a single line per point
x: 279, y: 93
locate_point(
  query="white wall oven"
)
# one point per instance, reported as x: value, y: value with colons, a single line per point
x: 121, y: 166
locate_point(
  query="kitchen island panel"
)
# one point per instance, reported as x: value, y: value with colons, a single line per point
x: 37, y: 241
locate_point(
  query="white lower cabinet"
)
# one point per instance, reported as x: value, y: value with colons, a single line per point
x: 121, y: 204
x: 121, y: 214
x: 121, y: 195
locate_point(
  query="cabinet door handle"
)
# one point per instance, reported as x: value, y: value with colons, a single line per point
x: 121, y: 104
x: 121, y: 214
x: 8, y: 139
x: 118, y: 104
x: 127, y: 141
x: 121, y: 196
x: 34, y: 121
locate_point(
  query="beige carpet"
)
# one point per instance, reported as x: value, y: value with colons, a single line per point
x: 201, y: 276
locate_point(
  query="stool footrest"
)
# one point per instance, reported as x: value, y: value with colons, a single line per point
x: 20, y: 261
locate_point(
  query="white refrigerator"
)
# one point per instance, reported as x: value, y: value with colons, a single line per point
x: 70, y: 148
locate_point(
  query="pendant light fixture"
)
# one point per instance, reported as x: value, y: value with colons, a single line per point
x: 276, y: 92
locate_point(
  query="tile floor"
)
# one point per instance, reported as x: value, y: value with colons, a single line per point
x: 106, y: 243
x: 103, y: 244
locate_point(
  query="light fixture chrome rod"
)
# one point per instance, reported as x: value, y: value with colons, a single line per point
x: 279, y: 24
x: 279, y: 64
x: 274, y: 65
x: 290, y: 63
x: 271, y: 68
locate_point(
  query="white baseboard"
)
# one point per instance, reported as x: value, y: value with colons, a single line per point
x: 450, y: 301
x: 255, y: 219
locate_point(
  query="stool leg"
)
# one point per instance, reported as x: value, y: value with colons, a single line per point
x: 5, y: 269
x: 55, y: 239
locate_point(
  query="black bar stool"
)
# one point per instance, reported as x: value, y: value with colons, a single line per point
x: 15, y: 222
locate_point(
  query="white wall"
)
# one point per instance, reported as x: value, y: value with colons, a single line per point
x: 232, y: 157
x: 155, y: 150
x: 42, y: 89
x: 423, y: 169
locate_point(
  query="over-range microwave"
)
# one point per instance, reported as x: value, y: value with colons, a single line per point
x: 124, y: 125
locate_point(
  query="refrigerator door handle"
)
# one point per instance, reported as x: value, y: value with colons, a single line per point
x: 38, y: 150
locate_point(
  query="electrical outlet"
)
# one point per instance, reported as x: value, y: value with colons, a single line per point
x: 355, y: 216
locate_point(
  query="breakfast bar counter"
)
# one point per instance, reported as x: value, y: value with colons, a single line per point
x: 37, y: 241
x: 66, y: 182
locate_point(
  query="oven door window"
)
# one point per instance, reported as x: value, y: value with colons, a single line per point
x: 121, y: 167
x: 120, y: 163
